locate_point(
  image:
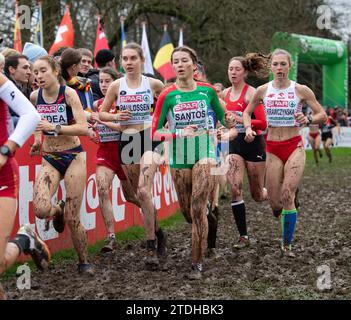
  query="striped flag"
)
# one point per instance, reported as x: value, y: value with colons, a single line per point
x: 180, y: 42
x: 162, y: 62
x: 145, y: 45
x: 17, y: 42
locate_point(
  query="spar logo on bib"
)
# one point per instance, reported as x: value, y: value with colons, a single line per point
x: 132, y: 98
x: 202, y: 104
x: 292, y: 104
x: 61, y: 108
x: 146, y: 98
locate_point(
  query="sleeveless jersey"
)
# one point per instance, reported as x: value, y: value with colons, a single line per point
x: 58, y: 112
x: 237, y: 106
x: 281, y: 106
x: 6, y: 124
x: 139, y: 101
x: 106, y: 134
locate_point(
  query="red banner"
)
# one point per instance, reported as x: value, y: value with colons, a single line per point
x: 125, y: 214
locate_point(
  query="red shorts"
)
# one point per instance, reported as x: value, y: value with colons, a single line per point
x: 9, y: 179
x: 314, y: 135
x: 283, y: 149
x: 108, y: 156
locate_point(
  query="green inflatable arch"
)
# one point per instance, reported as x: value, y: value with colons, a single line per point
x: 332, y: 54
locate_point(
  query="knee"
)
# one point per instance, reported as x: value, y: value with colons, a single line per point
x: 257, y: 196
x: 287, y: 196
x: 237, y: 190
x: 42, y: 210
x: 103, y: 192
x: 143, y: 194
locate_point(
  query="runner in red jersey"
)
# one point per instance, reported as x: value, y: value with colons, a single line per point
x: 26, y: 240
x: 283, y: 100
x: 108, y: 163
x: 242, y: 154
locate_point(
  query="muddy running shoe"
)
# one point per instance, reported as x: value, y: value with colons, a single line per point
x: 86, y: 269
x: 110, y: 245
x: 196, y: 271
x: 151, y: 259
x: 59, y: 219
x: 286, y: 250
x: 211, y: 253
x: 296, y: 200
x: 243, y: 242
x: 38, y: 249
x: 162, y: 244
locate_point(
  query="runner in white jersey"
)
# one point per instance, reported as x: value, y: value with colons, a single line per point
x: 134, y: 95
x: 285, y: 163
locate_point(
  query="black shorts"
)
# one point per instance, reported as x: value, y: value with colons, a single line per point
x: 327, y: 135
x: 253, y: 151
x: 133, y: 146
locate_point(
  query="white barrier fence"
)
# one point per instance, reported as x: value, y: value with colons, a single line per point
x: 341, y: 137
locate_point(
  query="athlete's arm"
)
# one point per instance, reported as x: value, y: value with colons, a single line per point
x: 35, y: 148
x: 110, y: 98
x: 255, y: 100
x: 158, y: 132
x: 307, y: 95
x: 29, y: 117
x: 260, y: 121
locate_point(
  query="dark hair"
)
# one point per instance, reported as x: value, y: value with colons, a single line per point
x: 13, y: 61
x: 59, y: 51
x: 114, y: 75
x: 134, y: 46
x: 103, y: 57
x: 256, y: 63
x: 191, y: 52
x: 69, y: 57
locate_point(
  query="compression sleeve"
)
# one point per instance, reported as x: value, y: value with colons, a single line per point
x: 260, y: 121
x: 29, y: 117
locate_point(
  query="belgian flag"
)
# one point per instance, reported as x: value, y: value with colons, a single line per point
x: 162, y: 62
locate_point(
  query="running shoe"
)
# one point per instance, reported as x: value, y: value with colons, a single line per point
x: 38, y: 249
x: 151, y: 259
x: 110, y: 245
x: 59, y: 219
x: 243, y: 242
x: 211, y: 253
x: 286, y: 250
x: 196, y: 271
x: 86, y: 269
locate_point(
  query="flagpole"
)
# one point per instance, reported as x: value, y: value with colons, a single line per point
x: 41, y: 24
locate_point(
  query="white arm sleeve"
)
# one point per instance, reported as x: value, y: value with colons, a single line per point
x: 29, y: 117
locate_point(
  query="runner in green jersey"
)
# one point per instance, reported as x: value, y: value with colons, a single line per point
x: 185, y: 105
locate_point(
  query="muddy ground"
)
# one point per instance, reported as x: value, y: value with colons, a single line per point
x: 322, y: 238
